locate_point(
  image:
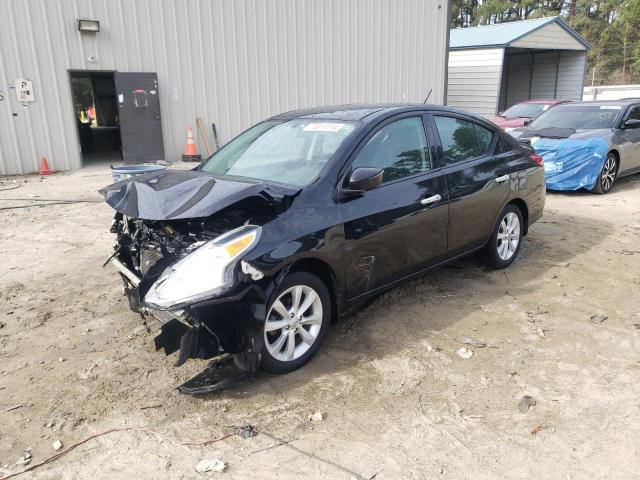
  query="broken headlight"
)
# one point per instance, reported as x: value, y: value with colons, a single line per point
x: 205, y: 272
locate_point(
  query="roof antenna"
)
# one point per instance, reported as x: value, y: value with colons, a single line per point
x: 428, y: 95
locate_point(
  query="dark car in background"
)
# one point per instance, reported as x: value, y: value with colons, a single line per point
x: 588, y: 144
x: 303, y: 217
x: 523, y: 113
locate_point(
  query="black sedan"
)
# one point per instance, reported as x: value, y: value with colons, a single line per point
x: 304, y: 216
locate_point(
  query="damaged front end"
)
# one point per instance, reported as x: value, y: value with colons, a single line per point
x: 190, y: 274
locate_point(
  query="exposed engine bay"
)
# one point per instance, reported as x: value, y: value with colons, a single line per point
x: 179, y: 241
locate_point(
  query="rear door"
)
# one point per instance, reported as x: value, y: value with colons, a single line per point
x: 477, y: 182
x: 139, y: 115
x: 401, y: 226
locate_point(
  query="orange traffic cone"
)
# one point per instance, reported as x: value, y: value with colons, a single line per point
x: 190, y: 151
x: 44, y: 166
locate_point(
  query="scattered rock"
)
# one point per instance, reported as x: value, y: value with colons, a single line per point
x: 471, y: 341
x: 316, y: 416
x: 211, y: 465
x: 464, y: 353
x: 60, y: 359
x: 540, y: 332
x: 57, y: 445
x: 598, y: 319
x: 1, y: 324
x: 526, y: 402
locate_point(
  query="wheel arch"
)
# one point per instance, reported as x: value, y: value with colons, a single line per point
x: 326, y: 274
x: 524, y: 209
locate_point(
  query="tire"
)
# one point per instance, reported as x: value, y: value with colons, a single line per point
x: 607, y: 175
x: 500, y: 253
x: 284, y: 324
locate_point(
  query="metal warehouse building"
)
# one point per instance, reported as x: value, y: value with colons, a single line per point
x: 105, y: 80
x: 496, y: 66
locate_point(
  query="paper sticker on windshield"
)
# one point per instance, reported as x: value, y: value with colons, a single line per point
x: 323, y: 127
x: 610, y: 107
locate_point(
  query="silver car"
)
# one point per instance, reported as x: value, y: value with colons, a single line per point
x: 586, y: 145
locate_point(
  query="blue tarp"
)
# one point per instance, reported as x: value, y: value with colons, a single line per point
x: 571, y: 164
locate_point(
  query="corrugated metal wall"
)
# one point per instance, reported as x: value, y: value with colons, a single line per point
x: 531, y: 74
x: 474, y: 79
x: 233, y: 62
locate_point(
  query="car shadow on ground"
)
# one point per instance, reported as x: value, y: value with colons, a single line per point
x: 415, y: 312
x: 623, y: 184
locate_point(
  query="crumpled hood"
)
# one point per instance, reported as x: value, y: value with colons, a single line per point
x: 175, y: 194
x: 574, y: 162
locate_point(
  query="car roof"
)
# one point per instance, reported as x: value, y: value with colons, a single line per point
x: 597, y: 103
x: 361, y: 112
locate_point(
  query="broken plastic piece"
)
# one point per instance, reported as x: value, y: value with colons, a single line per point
x: 219, y: 374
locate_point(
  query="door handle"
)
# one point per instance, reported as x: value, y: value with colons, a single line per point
x: 430, y: 200
x: 503, y: 178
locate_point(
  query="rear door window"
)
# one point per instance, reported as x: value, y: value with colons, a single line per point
x: 462, y: 139
x: 399, y: 148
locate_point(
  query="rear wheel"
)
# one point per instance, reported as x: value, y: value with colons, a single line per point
x: 504, y: 244
x: 607, y: 175
x: 297, y: 321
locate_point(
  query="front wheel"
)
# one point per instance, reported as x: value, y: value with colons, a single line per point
x: 504, y: 244
x: 607, y: 175
x: 297, y: 321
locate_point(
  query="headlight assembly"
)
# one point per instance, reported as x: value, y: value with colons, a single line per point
x: 206, y: 272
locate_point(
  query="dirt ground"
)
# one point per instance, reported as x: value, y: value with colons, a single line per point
x: 398, y: 401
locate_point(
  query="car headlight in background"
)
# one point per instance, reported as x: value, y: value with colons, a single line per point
x: 205, y: 272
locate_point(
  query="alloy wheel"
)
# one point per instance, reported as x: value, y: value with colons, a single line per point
x: 293, y: 323
x: 508, y: 236
x: 608, y: 173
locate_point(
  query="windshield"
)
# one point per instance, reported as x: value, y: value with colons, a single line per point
x: 525, y: 110
x: 288, y: 152
x: 578, y: 117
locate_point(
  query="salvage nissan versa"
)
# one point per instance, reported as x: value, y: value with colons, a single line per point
x: 304, y: 216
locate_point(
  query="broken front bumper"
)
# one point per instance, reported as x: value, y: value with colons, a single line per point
x: 229, y: 324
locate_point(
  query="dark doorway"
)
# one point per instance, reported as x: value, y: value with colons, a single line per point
x: 97, y: 120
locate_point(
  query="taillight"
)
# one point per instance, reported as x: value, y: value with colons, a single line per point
x: 538, y: 159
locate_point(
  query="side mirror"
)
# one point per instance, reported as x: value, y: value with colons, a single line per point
x: 631, y: 123
x: 363, y: 179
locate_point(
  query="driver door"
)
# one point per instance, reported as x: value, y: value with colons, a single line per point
x: 630, y: 149
x: 399, y: 227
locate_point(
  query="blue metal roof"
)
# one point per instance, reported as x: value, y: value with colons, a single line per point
x: 503, y: 34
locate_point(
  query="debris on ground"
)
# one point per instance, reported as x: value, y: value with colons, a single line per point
x: 57, y: 445
x: 471, y: 341
x: 316, y: 416
x: 245, y: 431
x: 562, y: 264
x: 540, y: 331
x: 637, y: 325
x: 25, y: 459
x: 538, y: 429
x: 211, y: 465
x: 15, y: 407
x: 464, y: 353
x: 598, y: 319
x: 1, y: 324
x: 526, y: 402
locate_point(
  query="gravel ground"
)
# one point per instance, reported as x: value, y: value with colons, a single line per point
x: 397, y: 399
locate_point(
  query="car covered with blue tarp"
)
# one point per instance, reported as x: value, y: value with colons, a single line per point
x: 586, y: 145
